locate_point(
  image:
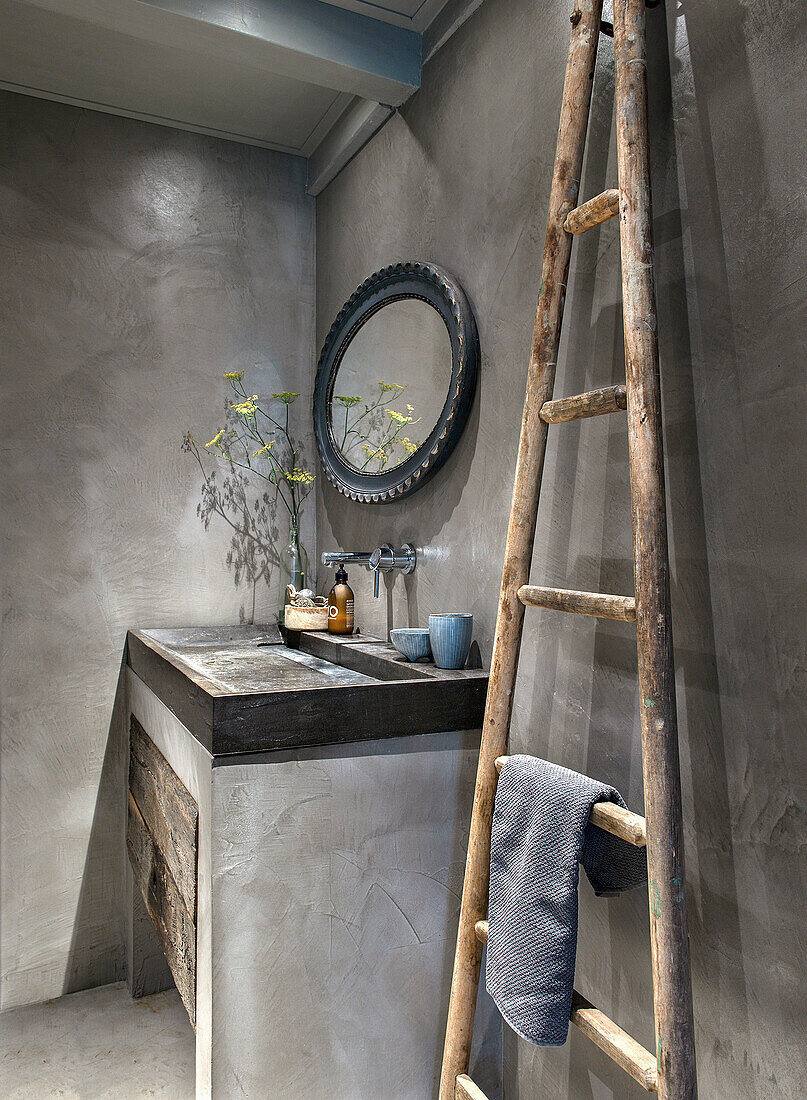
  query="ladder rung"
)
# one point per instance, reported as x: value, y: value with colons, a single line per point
x: 616, y: 1043
x: 594, y: 212
x: 594, y: 403
x: 580, y: 603
x: 604, y: 1033
x: 614, y: 819
x: 465, y: 1089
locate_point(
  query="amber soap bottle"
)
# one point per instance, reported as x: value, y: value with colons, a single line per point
x: 340, y: 605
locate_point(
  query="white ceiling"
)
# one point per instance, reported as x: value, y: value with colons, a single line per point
x: 416, y: 14
x: 60, y: 56
x: 285, y: 74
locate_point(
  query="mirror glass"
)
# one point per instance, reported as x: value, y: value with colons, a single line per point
x: 391, y: 386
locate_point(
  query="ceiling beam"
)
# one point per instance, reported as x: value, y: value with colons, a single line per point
x: 306, y: 40
x: 448, y: 20
x: 353, y: 130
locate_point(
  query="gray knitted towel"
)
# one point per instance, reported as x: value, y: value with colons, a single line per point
x: 541, y: 832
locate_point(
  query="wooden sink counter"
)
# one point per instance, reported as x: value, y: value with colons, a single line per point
x: 243, y: 690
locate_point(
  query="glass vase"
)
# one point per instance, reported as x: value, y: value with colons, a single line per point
x: 295, y: 560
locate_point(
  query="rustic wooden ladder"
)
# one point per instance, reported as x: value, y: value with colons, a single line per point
x: 670, y: 1071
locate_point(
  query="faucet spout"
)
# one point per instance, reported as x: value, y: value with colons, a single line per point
x: 382, y: 560
x: 345, y: 557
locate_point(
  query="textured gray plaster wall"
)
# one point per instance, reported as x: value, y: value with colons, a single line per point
x: 138, y: 263
x: 460, y: 177
x: 335, y: 872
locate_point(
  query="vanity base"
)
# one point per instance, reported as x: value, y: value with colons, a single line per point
x: 328, y: 883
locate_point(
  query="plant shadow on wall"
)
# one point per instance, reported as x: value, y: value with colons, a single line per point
x: 256, y: 449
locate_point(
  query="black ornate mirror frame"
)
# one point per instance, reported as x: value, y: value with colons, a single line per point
x: 433, y: 285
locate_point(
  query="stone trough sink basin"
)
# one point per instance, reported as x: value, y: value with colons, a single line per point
x: 246, y: 690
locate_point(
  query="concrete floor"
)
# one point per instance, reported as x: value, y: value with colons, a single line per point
x: 98, y: 1044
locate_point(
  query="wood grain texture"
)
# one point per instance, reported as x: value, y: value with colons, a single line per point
x: 609, y: 399
x: 619, y: 822
x: 594, y: 212
x: 563, y: 198
x: 616, y: 1043
x: 403, y: 700
x: 168, y: 809
x: 165, y: 905
x: 614, y: 819
x: 341, y: 714
x: 579, y: 603
x: 465, y: 1089
x: 669, y: 935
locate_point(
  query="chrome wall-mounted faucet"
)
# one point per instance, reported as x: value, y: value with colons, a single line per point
x: 383, y: 559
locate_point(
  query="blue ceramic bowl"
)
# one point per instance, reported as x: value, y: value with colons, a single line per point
x: 450, y: 637
x: 412, y: 641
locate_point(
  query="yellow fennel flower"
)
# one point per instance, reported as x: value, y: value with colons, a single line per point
x: 233, y: 375
x: 264, y: 450
x: 389, y: 387
x: 215, y: 440
x: 399, y: 418
x: 375, y: 452
x: 299, y: 475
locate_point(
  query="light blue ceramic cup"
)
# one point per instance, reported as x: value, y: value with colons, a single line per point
x: 450, y: 637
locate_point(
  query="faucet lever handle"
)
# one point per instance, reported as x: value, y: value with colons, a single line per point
x: 381, y: 558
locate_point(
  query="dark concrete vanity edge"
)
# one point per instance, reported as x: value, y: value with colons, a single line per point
x: 397, y: 700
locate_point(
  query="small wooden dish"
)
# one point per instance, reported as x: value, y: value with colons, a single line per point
x: 304, y: 610
x: 305, y: 618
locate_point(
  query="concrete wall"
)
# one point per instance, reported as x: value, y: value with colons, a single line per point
x: 460, y: 177
x: 137, y: 263
x: 335, y: 877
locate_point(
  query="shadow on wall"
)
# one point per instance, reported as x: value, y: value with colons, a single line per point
x: 705, y: 392
x: 90, y: 960
x: 253, y: 555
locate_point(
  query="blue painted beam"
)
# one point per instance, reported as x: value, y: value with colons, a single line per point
x: 306, y: 40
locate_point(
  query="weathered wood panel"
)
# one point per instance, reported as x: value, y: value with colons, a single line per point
x: 165, y: 905
x: 356, y: 712
x: 169, y: 811
x: 187, y: 695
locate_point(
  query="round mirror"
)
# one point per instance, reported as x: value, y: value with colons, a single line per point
x: 395, y: 382
x: 391, y: 384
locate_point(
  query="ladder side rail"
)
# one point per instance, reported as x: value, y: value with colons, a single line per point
x: 661, y: 768
x: 563, y: 199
